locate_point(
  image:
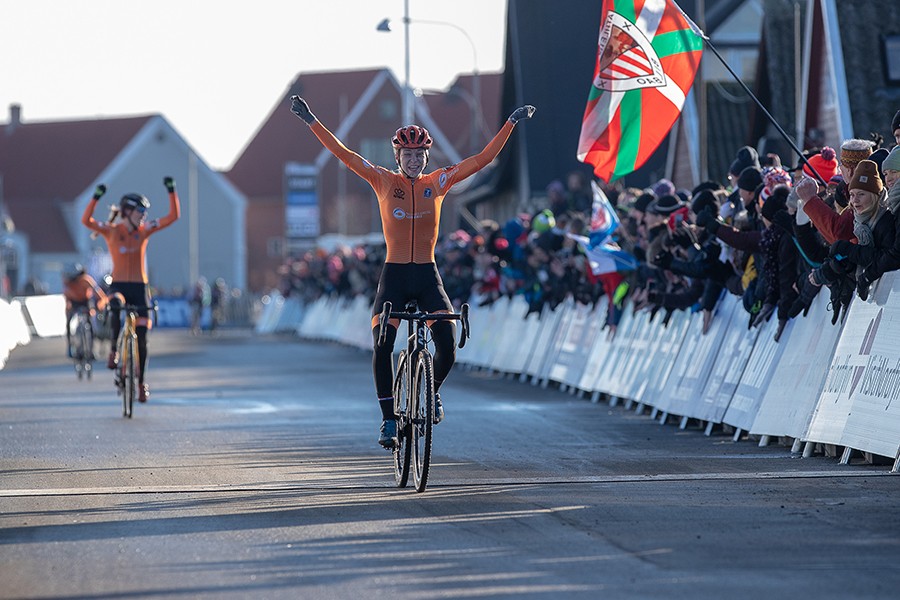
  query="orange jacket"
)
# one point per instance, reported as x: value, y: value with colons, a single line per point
x: 128, y: 249
x: 411, y: 208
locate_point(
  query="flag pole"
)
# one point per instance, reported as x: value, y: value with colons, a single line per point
x: 768, y: 115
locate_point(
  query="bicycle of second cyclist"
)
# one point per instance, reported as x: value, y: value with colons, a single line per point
x: 83, y: 342
x: 126, y: 373
x: 414, y: 390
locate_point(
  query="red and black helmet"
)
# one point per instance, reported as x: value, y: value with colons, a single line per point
x: 411, y: 136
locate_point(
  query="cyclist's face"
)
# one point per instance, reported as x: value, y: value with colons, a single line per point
x: 412, y: 161
x: 135, y: 216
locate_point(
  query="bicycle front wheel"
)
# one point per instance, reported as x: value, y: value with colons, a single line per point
x: 423, y: 422
x: 86, y: 342
x: 403, y: 450
x: 128, y: 375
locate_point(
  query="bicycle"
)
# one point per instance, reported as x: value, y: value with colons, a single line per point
x: 414, y: 390
x: 83, y: 343
x: 126, y: 377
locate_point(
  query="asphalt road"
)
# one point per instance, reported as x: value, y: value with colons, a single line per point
x: 253, y: 472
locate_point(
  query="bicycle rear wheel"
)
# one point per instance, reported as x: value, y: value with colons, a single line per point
x: 128, y: 376
x: 423, y: 422
x: 403, y: 451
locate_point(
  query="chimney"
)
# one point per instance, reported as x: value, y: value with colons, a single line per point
x: 15, y: 118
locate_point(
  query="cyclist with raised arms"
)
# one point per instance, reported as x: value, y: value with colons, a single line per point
x: 409, y: 202
x: 126, y: 236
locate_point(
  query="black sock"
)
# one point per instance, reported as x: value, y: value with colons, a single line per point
x: 387, y: 408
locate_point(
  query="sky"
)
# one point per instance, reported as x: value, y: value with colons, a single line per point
x: 216, y: 68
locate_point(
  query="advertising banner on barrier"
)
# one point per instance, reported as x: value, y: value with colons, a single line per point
x: 506, y: 328
x: 873, y: 424
x: 797, y: 382
x: 737, y: 345
x: 597, y: 352
x: 695, y: 361
x: 608, y: 377
x: 568, y: 365
x: 629, y: 351
x: 664, y: 358
x: 757, y: 375
x: 550, y: 320
x: 555, y: 344
x: 529, y: 329
x: 644, y: 345
x: 483, y: 333
x: 844, y: 373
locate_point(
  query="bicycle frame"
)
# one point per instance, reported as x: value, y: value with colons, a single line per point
x: 414, y: 390
x: 129, y: 357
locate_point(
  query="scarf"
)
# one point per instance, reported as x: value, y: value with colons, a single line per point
x: 893, y: 199
x: 864, y: 223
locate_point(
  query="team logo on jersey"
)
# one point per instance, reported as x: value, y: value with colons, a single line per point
x: 399, y: 214
x: 442, y: 180
x: 399, y: 194
x: 428, y: 193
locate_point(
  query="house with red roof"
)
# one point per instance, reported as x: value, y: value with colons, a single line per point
x: 298, y: 192
x: 50, y: 169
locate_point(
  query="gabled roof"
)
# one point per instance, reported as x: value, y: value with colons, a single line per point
x: 72, y: 154
x: 259, y: 169
x: 454, y: 105
x: 45, y: 166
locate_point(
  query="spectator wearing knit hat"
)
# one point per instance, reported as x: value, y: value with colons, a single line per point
x: 746, y: 157
x: 873, y: 227
x: 824, y: 164
x: 891, y: 169
x: 852, y: 152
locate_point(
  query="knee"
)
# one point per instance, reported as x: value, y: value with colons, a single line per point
x: 386, y: 347
x: 443, y: 334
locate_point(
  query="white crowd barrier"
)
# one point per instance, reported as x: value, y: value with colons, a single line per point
x: 822, y: 386
x: 13, y: 328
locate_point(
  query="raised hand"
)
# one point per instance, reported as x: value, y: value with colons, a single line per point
x: 523, y: 112
x: 99, y: 191
x: 300, y: 108
x: 170, y: 184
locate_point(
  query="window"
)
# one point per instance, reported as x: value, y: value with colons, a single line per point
x: 891, y: 46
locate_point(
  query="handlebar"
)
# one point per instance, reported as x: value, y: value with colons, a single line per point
x: 387, y: 314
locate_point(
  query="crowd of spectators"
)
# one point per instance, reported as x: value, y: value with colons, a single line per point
x: 774, y: 234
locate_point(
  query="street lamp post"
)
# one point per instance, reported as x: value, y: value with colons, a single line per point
x: 385, y: 25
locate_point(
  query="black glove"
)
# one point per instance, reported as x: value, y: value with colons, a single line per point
x: 523, y: 112
x: 764, y: 314
x: 300, y: 108
x: 170, y: 184
x: 99, y: 191
x: 707, y: 220
x: 841, y: 250
x: 863, y: 283
x: 781, y: 325
x: 663, y: 259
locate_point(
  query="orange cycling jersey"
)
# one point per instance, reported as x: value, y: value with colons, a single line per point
x: 127, y: 248
x: 411, y: 208
x: 82, y: 289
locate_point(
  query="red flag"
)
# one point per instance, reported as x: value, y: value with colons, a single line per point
x: 647, y: 57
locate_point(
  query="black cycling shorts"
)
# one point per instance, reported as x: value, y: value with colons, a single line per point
x: 136, y: 294
x: 400, y: 283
